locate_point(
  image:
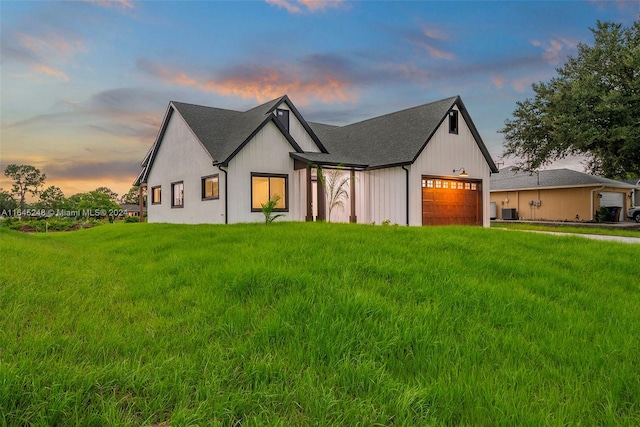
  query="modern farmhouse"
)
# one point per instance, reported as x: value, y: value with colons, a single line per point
x: 425, y: 165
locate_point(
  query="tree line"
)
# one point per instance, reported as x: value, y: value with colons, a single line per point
x: 29, y: 180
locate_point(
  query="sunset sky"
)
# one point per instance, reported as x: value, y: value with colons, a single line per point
x: 85, y: 84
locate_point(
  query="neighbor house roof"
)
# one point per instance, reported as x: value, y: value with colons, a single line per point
x: 390, y: 140
x: 513, y: 179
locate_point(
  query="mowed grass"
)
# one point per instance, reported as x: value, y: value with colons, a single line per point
x: 317, y: 324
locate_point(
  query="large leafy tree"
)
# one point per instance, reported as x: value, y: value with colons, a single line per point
x: 113, y: 196
x: 93, y: 201
x: 52, y: 197
x: 591, y: 108
x: 6, y: 201
x: 27, y: 179
x: 132, y: 197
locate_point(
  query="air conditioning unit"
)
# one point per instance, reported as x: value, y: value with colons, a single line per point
x: 509, y: 214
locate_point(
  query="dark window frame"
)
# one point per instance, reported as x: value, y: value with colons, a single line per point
x: 173, y: 198
x: 285, y: 113
x: 153, y: 193
x: 453, y: 122
x: 204, y: 187
x: 271, y: 175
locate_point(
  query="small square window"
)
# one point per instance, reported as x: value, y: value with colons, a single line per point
x: 467, y: 186
x: 429, y: 183
x: 474, y: 186
x: 438, y: 183
x: 445, y: 184
x: 210, y: 187
x: 156, y: 195
x: 177, y: 194
x: 453, y: 122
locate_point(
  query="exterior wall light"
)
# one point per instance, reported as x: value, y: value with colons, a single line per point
x: 463, y: 173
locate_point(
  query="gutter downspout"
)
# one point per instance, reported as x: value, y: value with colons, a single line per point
x: 407, y: 189
x: 226, y: 193
x: 593, y: 215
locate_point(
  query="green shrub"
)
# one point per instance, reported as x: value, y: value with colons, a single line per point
x: 604, y: 214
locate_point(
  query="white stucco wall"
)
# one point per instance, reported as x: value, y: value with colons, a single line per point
x: 181, y: 157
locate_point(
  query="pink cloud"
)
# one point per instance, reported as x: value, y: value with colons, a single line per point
x: 296, y: 6
x: 434, y: 33
x: 40, y: 53
x: 113, y: 4
x: 555, y: 50
x: 435, y: 52
x: 51, y: 72
x: 264, y: 84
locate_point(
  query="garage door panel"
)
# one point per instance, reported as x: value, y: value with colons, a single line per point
x: 451, y: 202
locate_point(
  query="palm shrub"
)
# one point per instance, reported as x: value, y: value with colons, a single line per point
x: 268, y: 208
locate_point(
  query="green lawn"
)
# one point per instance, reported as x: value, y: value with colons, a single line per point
x: 317, y: 324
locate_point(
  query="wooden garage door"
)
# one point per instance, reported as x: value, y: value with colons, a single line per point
x: 451, y: 202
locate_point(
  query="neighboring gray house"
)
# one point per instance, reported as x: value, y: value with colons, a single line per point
x: 420, y: 166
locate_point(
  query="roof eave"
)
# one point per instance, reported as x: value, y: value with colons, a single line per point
x: 328, y: 163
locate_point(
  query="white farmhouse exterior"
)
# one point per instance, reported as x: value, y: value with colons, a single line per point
x: 421, y: 166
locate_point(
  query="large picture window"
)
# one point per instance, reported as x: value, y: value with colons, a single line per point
x: 177, y: 194
x: 210, y: 187
x: 264, y: 187
x: 156, y: 193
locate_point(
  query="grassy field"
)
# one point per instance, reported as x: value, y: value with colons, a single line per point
x: 317, y: 324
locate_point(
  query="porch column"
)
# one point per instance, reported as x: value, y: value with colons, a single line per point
x: 352, y: 196
x: 322, y: 200
x: 141, y: 200
x: 309, y: 216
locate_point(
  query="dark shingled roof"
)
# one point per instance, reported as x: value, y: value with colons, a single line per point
x: 392, y: 139
x: 512, y: 179
x: 223, y: 131
x: 395, y: 138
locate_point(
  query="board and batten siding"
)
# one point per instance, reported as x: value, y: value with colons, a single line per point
x: 380, y: 197
x: 181, y: 157
x: 385, y: 193
x: 443, y: 153
x: 267, y: 152
x: 298, y: 132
